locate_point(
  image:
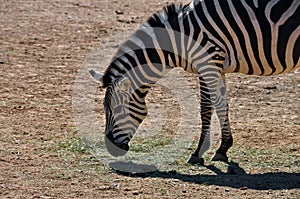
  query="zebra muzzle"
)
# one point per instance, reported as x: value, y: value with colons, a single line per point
x: 116, y: 149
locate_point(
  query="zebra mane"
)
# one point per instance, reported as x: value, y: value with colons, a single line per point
x: 168, y: 15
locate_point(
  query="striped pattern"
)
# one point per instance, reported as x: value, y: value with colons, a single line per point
x: 259, y: 37
x: 209, y: 38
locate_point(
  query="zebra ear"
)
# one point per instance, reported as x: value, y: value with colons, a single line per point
x: 97, y: 76
x: 124, y: 84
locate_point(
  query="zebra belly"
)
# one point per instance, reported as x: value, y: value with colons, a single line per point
x: 268, y: 70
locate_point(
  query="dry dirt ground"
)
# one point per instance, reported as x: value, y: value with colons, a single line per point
x: 42, y: 46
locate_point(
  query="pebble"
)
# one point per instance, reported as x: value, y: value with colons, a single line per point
x: 135, y: 193
x: 118, y: 12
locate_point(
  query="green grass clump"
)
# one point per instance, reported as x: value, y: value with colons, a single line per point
x: 73, y: 145
x: 148, y: 144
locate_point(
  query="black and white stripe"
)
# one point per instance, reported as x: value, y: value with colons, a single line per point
x: 206, y: 37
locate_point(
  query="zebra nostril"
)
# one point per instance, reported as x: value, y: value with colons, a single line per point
x: 124, y: 146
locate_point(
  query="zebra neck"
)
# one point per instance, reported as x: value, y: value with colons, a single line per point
x: 152, y: 50
x: 176, y: 34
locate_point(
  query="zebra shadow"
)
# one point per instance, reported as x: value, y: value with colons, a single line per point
x: 236, y: 177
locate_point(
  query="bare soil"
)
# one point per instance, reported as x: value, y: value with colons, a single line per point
x: 42, y: 46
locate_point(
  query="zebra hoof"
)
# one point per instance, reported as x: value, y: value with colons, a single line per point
x: 220, y: 157
x: 196, y: 160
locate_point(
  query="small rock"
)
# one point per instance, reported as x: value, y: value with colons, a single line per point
x: 47, y: 39
x: 270, y: 87
x: 25, y: 133
x: 123, y: 21
x: 118, y: 12
x: 135, y: 193
x: 1, y: 62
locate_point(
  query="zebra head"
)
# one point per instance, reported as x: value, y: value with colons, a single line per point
x: 124, y: 110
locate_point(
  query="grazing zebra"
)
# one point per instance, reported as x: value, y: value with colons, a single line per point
x: 206, y: 37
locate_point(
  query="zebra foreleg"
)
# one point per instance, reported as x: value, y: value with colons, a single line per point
x: 221, y: 107
x: 206, y: 114
x: 226, y: 142
x: 213, y: 96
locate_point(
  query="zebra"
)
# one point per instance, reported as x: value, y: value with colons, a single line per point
x: 209, y: 38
